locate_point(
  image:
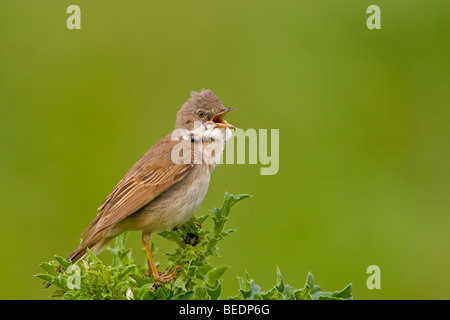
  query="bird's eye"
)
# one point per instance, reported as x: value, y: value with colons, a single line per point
x: 201, y: 113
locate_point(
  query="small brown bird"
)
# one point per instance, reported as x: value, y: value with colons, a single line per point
x: 160, y: 191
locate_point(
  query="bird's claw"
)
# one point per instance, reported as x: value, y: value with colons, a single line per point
x: 167, y: 276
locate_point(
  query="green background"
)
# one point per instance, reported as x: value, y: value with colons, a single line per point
x: 363, y: 118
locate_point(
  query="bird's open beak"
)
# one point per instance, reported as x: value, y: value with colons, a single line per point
x: 220, y: 122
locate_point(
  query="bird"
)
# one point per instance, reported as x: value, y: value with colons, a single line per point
x: 165, y: 187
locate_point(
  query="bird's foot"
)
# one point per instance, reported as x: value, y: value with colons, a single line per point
x: 166, y: 276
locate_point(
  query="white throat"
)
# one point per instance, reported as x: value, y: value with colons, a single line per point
x: 210, y: 141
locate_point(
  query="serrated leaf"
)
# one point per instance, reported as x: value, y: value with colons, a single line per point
x: 199, y: 279
x: 185, y: 296
x: 344, y: 293
x: 143, y: 292
x: 236, y: 297
x: 248, y: 288
x: 181, y: 282
x: 50, y: 268
x: 244, y: 282
x: 58, y: 293
x: 310, y: 280
x: 200, y: 294
x: 46, y: 277
x: 227, y: 232
x: 126, y: 271
x: 302, y: 294
x: 280, y: 281
x: 214, y: 293
x: 315, y: 289
x: 201, y: 219
x: 272, y: 294
x: 92, y: 257
x: 213, y: 276
x: 288, y: 292
x: 63, y: 262
x: 203, y: 270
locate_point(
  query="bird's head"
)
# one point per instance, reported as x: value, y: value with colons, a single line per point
x: 203, y: 107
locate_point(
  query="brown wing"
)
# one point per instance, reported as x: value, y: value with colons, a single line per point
x: 148, y: 178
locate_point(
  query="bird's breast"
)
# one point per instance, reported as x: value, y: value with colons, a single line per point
x: 174, y: 206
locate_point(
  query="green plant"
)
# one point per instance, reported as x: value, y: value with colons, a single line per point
x: 198, y: 279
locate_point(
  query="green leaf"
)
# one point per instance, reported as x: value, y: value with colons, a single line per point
x: 144, y: 293
x: 198, y: 279
x: 215, y: 292
x: 140, y: 279
x: 305, y: 293
x: 46, y: 277
x: 213, y: 276
x: 184, y: 295
x: 272, y: 294
x: 126, y: 271
x: 248, y: 288
x: 200, y: 294
x: 227, y: 232
x: 181, y: 282
x: 201, y: 219
x: 63, y: 262
x: 310, y: 280
x: 289, y: 292
x: 302, y: 294
x: 203, y: 270
x: 58, y: 293
x: 50, y: 268
x: 92, y: 257
x: 344, y: 294
x: 280, y: 281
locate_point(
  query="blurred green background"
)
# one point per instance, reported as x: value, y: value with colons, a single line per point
x: 363, y: 118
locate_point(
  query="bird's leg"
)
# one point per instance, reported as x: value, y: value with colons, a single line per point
x: 166, y: 276
x: 145, y: 240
